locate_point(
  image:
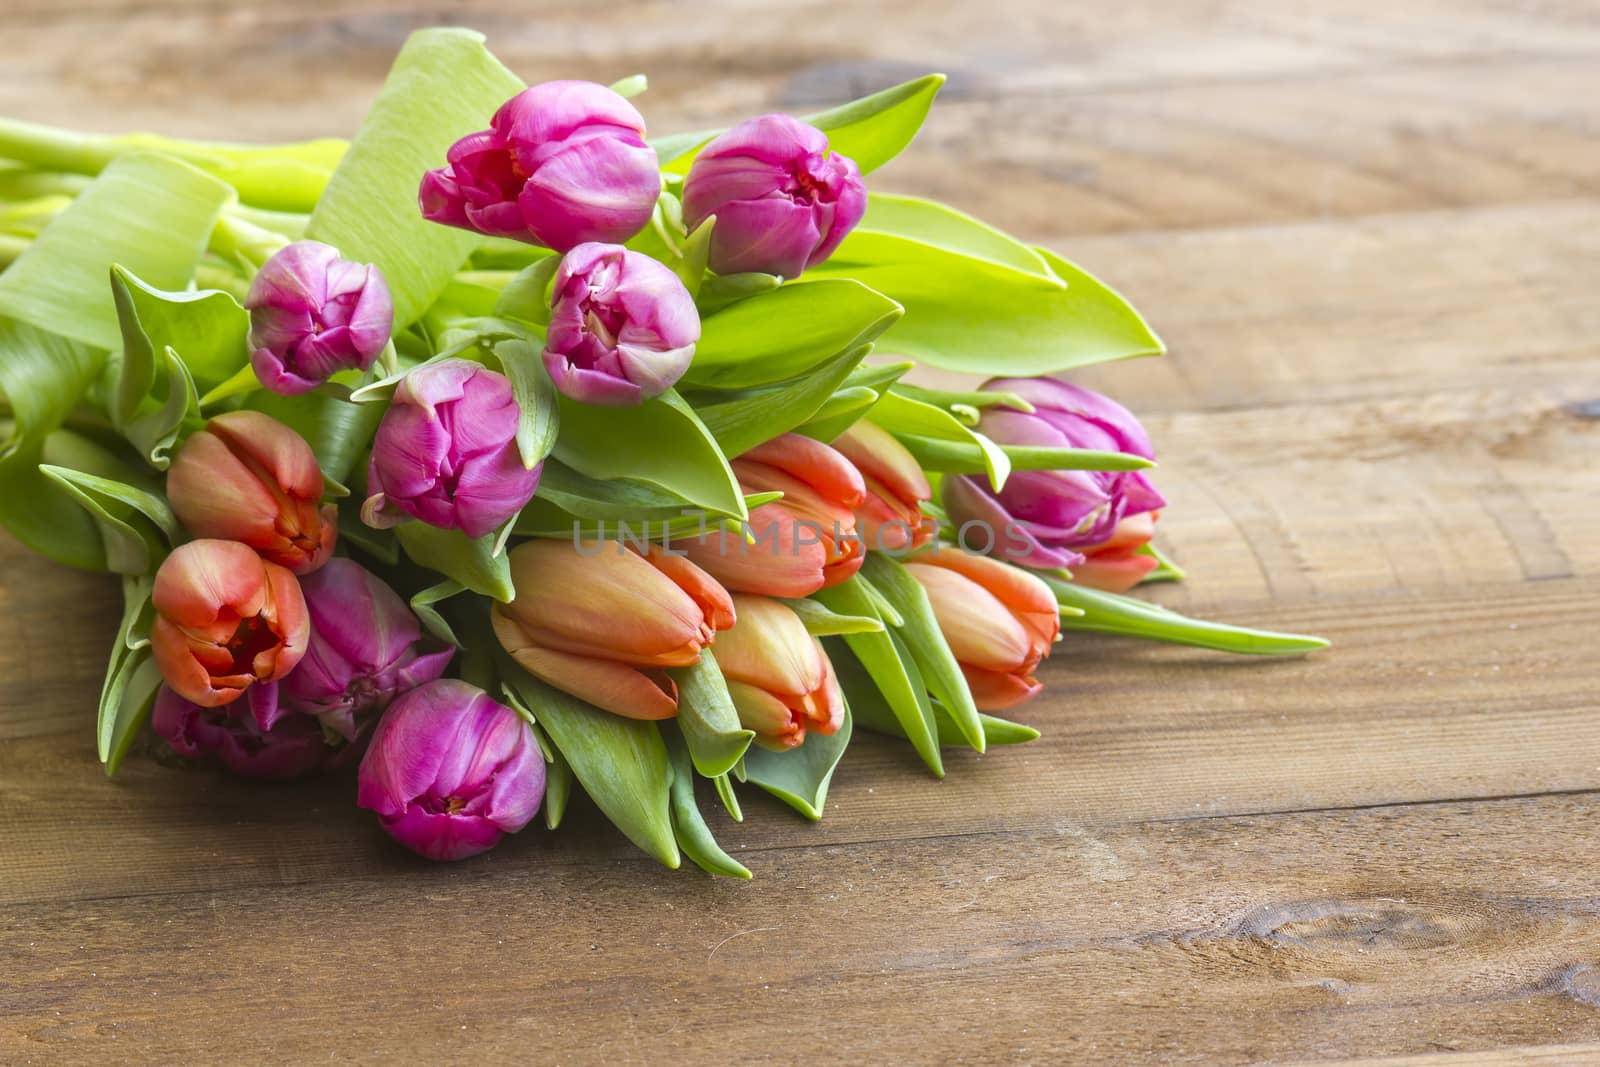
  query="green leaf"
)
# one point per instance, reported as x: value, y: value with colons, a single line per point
x: 422, y: 606
x: 207, y: 328
x: 539, y: 418
x: 921, y: 634
x: 136, y: 527
x: 443, y: 86
x: 689, y: 826
x: 124, y: 704
x: 338, y: 431
x: 960, y: 457
x: 893, y: 671
x: 941, y: 226
x: 632, y: 85
x: 820, y: 622
x: 978, y: 399
x: 1166, y: 570
x: 981, y: 317
x: 154, y: 432
x: 787, y: 332
x: 708, y: 719
x: 661, y: 443
x: 622, y: 763
x: 743, y: 419
x: 901, y: 414
x: 725, y: 793
x: 870, y: 711
x: 799, y: 777
x: 839, y: 412
x: 1110, y: 613
x: 241, y: 383
x: 471, y: 561
x: 557, y: 786
x: 871, y: 130
x: 153, y: 214
x: 722, y: 290
x: 527, y: 295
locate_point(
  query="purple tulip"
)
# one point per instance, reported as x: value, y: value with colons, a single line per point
x: 365, y: 649
x: 562, y: 163
x: 313, y: 314
x: 783, y: 202
x: 288, y: 746
x: 623, y: 329
x: 1050, y: 518
x: 446, y: 452
x: 450, y: 770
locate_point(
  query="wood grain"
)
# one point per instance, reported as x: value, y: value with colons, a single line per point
x: 1368, y: 232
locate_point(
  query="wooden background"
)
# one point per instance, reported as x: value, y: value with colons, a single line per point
x: 1369, y: 231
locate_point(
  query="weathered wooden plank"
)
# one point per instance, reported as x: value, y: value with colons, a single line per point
x: 1396, y: 930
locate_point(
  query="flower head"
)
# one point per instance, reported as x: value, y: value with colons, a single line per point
x: 291, y: 747
x: 780, y: 679
x: 312, y: 314
x: 890, y: 516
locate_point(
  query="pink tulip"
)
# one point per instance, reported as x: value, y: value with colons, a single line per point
x: 366, y: 648
x: 780, y: 679
x: 890, y: 517
x: 604, y: 624
x: 999, y: 621
x: 446, y: 452
x: 248, y: 477
x: 449, y: 771
x: 562, y: 163
x: 313, y: 314
x: 1057, y: 515
x: 783, y: 202
x: 624, y: 327
x: 291, y: 747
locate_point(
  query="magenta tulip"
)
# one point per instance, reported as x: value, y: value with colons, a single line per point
x: 1053, y: 518
x: 290, y: 746
x: 623, y: 328
x: 562, y: 163
x: 366, y: 648
x: 446, y: 452
x: 449, y: 771
x: 313, y: 314
x: 783, y: 202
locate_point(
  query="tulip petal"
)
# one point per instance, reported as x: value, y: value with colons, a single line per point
x: 610, y: 686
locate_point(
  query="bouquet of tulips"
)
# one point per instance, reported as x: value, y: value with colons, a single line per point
x: 505, y: 453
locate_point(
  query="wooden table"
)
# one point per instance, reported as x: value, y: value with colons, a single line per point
x: 1368, y: 231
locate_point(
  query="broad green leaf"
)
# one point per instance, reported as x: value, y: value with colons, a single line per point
x: 933, y: 223
x: 1110, y: 613
x: 901, y: 414
x: 921, y: 634
x: 871, y: 713
x: 799, y: 777
x: 338, y: 431
x: 136, y: 527
x: 787, y: 332
x: 722, y: 290
x: 689, y: 826
x: 207, y: 328
x: 893, y: 671
x: 152, y: 214
x: 960, y: 457
x: 137, y: 697
x: 155, y: 430
x: 42, y: 376
x: 708, y: 719
x: 527, y: 295
x: 471, y: 561
x: 980, y: 317
x: 622, y: 763
x: 871, y: 130
x: 743, y: 419
x: 820, y: 622
x: 839, y: 412
x: 118, y: 714
x: 539, y: 419
x: 443, y: 86
x: 661, y: 443
x: 422, y: 606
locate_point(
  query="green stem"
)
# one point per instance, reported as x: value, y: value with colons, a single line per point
x: 49, y: 148
x: 10, y: 248
x: 1109, y: 613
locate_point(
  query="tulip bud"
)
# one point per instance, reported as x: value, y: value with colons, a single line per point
x: 293, y: 746
x: 313, y: 314
x: 1052, y: 518
x: 805, y: 542
x: 562, y: 163
x: 446, y: 452
x: 603, y: 622
x: 623, y: 329
x: 225, y: 619
x: 780, y: 679
x: 999, y: 621
x: 449, y: 770
x: 783, y: 202
x: 365, y: 648
x: 248, y: 477
x: 890, y: 518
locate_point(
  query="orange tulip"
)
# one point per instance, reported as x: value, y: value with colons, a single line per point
x: 605, y: 622
x: 1117, y: 565
x: 778, y: 675
x: 804, y: 542
x: 225, y: 619
x: 890, y: 516
x: 247, y: 477
x: 999, y: 620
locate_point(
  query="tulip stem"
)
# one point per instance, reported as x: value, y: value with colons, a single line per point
x: 1109, y: 613
x: 50, y: 148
